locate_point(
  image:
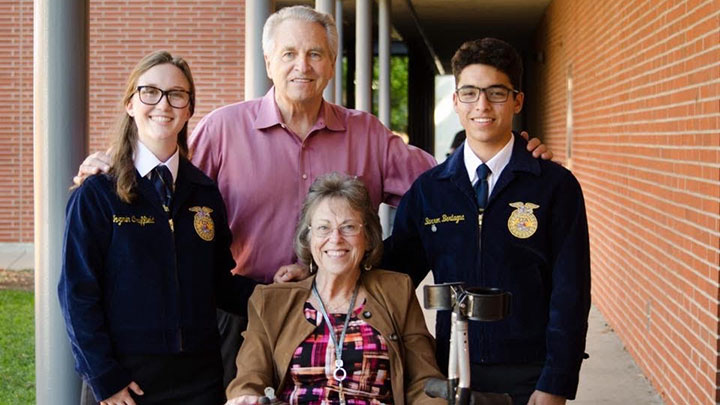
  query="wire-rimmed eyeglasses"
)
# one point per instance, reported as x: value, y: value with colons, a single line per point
x: 151, y: 95
x: 494, y: 94
x: 346, y: 229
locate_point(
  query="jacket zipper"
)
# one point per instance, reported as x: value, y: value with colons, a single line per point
x: 171, y: 224
x: 481, y: 212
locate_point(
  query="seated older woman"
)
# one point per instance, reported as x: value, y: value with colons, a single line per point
x: 347, y: 334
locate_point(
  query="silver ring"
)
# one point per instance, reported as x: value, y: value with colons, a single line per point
x: 342, y: 371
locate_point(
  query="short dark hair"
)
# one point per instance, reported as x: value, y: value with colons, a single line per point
x: 493, y: 52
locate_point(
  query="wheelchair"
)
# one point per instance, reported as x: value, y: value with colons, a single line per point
x: 475, y: 304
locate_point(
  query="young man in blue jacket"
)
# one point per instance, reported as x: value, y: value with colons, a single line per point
x: 491, y: 215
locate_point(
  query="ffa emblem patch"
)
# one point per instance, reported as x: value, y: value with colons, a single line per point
x: 204, y: 225
x: 522, y: 222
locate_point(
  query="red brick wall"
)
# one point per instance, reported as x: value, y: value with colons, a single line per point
x: 646, y: 149
x: 209, y: 34
x: 16, y: 123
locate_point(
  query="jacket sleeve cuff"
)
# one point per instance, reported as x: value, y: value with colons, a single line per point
x: 107, y: 384
x: 558, y: 382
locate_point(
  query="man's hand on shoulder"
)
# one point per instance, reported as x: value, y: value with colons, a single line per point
x: 97, y: 162
x: 537, y: 148
x: 291, y: 272
x: 543, y: 398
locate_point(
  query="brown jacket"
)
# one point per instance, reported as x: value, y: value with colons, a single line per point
x: 277, y: 326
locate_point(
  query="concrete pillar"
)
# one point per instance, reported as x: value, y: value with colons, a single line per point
x: 386, y: 212
x: 384, y: 28
x: 256, y: 80
x: 363, y: 52
x: 60, y: 103
x: 327, y: 7
x: 339, y: 60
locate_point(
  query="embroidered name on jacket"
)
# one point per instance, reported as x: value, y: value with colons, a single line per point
x: 141, y: 220
x: 444, y: 218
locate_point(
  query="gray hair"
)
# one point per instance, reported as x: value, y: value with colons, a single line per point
x: 351, y: 190
x: 302, y: 13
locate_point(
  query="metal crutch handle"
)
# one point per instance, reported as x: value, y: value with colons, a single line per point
x: 477, y: 304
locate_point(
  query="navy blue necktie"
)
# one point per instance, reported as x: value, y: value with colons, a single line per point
x: 481, y: 187
x: 163, y: 182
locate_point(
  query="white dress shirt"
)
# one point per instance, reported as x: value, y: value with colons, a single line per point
x: 145, y: 161
x: 496, y: 164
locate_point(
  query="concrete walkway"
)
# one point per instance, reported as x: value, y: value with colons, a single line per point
x: 16, y: 256
x: 610, y: 375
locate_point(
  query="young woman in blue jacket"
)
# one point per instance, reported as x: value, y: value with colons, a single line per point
x: 146, y: 256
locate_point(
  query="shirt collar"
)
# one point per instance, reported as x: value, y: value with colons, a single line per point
x: 269, y: 114
x: 496, y: 164
x: 145, y: 161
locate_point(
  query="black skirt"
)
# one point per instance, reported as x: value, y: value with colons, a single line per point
x: 192, y: 379
x: 182, y: 378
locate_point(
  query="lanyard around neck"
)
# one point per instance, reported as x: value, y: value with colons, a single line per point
x: 339, y: 374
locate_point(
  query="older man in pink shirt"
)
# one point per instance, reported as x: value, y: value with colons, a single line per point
x: 265, y: 153
x: 264, y: 169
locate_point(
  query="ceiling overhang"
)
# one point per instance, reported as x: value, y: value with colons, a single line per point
x: 443, y: 25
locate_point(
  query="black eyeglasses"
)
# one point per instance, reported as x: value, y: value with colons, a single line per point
x: 152, y: 95
x: 494, y: 94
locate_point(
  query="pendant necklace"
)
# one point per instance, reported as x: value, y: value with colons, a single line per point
x: 340, y: 373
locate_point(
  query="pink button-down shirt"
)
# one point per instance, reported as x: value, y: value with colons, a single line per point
x: 264, y: 171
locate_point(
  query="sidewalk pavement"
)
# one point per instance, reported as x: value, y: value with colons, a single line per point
x: 610, y: 376
x: 16, y: 256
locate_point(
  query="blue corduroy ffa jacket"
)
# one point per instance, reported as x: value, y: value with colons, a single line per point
x: 130, y: 285
x: 533, y: 243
